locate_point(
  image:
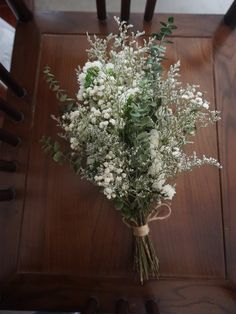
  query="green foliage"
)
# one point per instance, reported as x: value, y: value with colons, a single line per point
x: 92, y: 73
x: 158, y: 49
x: 61, y: 95
x: 53, y: 148
x: 166, y: 30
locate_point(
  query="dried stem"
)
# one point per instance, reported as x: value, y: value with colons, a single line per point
x: 146, y: 262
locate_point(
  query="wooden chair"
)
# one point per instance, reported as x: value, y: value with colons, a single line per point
x: 63, y: 246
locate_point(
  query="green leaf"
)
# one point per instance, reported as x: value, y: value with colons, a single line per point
x: 164, y: 24
x: 166, y: 31
x: 141, y: 136
x: 171, y: 19
x: 55, y: 88
x: 62, y: 98
x: 157, y: 36
x: 119, y: 204
x: 58, y: 157
x: 56, y: 146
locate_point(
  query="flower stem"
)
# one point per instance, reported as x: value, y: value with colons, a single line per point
x: 146, y: 262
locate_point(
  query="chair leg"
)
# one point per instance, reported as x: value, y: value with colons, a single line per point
x: 230, y: 16
x: 7, y: 166
x: 20, y: 10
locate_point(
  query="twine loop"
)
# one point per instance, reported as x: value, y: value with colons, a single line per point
x: 142, y: 231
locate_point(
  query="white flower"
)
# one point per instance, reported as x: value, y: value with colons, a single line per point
x: 112, y: 121
x: 168, y: 191
x: 106, y: 115
x: 158, y: 184
x: 205, y: 105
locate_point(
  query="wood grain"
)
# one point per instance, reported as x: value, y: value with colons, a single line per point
x: 74, y: 217
x: 225, y: 82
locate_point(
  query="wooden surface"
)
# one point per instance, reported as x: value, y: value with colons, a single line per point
x: 64, y: 242
x: 225, y: 59
x: 192, y: 236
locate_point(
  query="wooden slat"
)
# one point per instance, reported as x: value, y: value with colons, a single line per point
x: 10, y: 82
x: 101, y: 9
x: 10, y: 111
x: 151, y: 307
x: 20, y: 10
x: 122, y: 307
x: 149, y: 10
x: 125, y: 10
x: 230, y: 16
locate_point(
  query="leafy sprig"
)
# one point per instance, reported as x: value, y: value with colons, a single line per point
x: 67, y: 103
x: 166, y: 30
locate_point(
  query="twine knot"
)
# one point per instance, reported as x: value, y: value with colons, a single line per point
x: 142, y: 231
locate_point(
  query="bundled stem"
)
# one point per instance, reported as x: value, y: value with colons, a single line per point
x: 146, y: 262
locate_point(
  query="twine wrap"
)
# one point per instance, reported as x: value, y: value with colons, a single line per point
x: 142, y: 231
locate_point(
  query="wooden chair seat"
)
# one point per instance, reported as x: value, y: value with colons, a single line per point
x: 62, y: 241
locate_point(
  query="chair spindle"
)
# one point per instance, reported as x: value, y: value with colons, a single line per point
x: 10, y: 82
x: 9, y: 138
x: 7, y: 194
x: 10, y: 111
x: 7, y: 166
x: 149, y: 10
x: 125, y: 10
x: 101, y: 9
x: 230, y: 16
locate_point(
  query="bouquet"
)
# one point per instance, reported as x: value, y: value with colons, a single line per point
x: 128, y: 128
